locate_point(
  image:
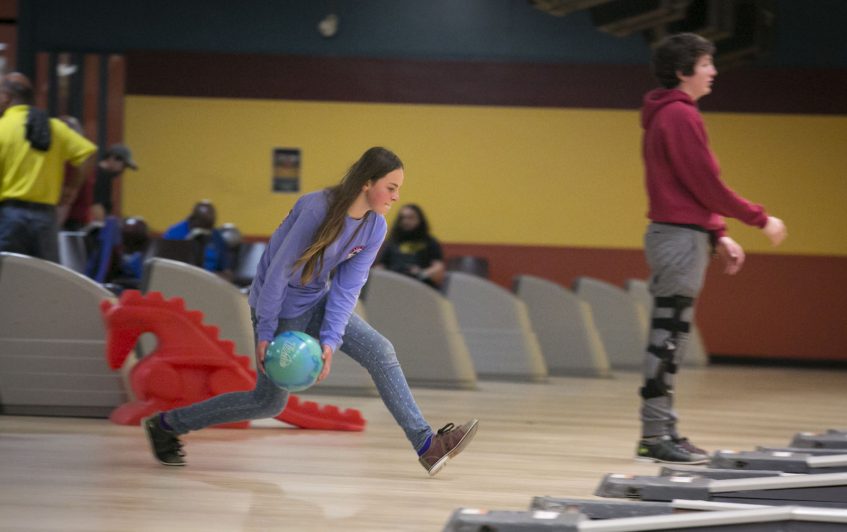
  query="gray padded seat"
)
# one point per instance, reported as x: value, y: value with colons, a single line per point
x: 247, y: 261
x: 52, y: 341
x: 422, y: 325
x: 695, y: 352
x: 187, y: 251
x: 496, y: 328
x: 619, y: 319
x: 221, y: 303
x: 72, y: 252
x: 565, y: 328
x: 226, y: 307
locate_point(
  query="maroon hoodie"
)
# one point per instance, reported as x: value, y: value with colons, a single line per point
x: 681, y: 174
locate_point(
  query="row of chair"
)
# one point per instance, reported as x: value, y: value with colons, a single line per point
x: 52, y: 337
x: 477, y: 328
x: 91, y: 252
x: 52, y: 341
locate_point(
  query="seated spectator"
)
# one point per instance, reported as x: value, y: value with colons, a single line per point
x: 116, y: 159
x: 232, y: 239
x: 200, y: 226
x: 135, y: 238
x: 411, y: 250
x: 94, y: 201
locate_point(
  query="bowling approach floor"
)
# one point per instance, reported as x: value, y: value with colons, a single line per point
x: 556, y: 439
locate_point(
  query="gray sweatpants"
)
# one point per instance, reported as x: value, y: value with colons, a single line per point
x: 677, y: 257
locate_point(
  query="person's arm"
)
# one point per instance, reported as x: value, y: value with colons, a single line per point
x: 731, y: 253
x: 692, y: 160
x: 775, y: 230
x: 74, y: 181
x: 350, y: 277
x: 436, y: 269
x: 298, y: 230
x: 77, y: 151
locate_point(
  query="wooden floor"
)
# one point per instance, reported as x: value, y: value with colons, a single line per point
x: 554, y: 439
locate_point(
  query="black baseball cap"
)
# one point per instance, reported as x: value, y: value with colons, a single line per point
x: 123, y: 153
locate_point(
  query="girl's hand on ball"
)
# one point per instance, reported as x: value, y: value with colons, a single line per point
x: 327, y: 358
x: 260, y: 355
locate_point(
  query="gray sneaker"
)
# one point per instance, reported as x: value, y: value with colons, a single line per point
x: 686, y: 444
x: 446, y: 444
x: 666, y: 451
x: 165, y: 444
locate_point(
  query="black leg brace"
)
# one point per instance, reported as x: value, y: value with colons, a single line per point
x: 666, y: 353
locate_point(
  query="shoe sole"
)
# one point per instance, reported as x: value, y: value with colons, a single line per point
x: 466, y: 439
x: 153, y: 446
x: 647, y: 459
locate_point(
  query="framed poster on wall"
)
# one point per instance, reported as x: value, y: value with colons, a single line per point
x: 285, y: 175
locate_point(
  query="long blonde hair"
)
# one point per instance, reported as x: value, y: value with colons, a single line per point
x: 371, y: 166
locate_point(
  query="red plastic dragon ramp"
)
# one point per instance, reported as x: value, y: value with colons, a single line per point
x: 190, y: 364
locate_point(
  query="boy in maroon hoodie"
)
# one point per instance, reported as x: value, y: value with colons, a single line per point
x: 688, y: 201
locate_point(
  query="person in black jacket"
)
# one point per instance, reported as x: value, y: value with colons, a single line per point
x: 411, y: 250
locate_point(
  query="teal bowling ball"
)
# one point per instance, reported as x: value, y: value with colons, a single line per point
x: 293, y: 361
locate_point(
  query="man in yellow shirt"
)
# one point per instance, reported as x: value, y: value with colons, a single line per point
x: 33, y: 153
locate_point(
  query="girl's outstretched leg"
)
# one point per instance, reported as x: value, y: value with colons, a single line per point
x: 376, y: 354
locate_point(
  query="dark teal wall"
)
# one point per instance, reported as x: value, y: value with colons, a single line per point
x: 809, y: 33
x: 430, y: 29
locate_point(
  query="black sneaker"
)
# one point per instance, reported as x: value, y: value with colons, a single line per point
x: 686, y: 444
x: 666, y: 451
x: 165, y: 444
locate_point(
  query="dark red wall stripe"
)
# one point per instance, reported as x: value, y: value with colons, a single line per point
x: 779, y: 306
x: 467, y: 83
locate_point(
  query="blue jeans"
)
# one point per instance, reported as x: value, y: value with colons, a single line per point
x: 29, y: 230
x: 364, y: 345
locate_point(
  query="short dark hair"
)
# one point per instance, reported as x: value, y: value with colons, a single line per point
x: 18, y: 91
x: 678, y: 53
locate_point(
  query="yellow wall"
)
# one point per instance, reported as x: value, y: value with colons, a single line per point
x: 537, y: 176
